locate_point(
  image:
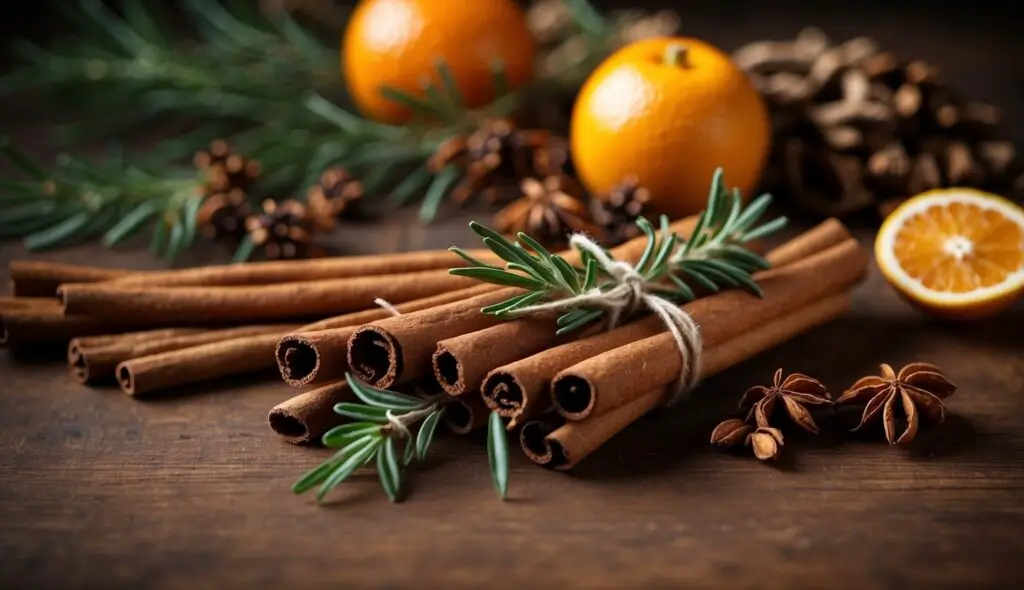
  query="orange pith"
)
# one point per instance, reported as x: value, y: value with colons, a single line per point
x: 959, y: 247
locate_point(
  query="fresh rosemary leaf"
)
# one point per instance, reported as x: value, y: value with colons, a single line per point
x: 24, y: 163
x: 451, y: 89
x: 497, y: 453
x: 735, y: 208
x: 343, y: 119
x: 534, y: 245
x: 699, y: 278
x: 580, y: 321
x: 245, y: 249
x: 358, y: 457
x: 711, y: 272
x: 567, y: 272
x: 571, y: 316
x: 409, y: 454
x: 438, y: 104
x: 409, y: 186
x: 28, y: 211
x: 188, y: 218
x: 342, y: 435
x: 438, y: 189
x: 426, y: 433
x: 499, y: 277
x: 497, y: 308
x: 648, y: 230
x: 419, y: 107
x: 526, y: 270
x: 315, y: 476
x: 299, y: 38
x: 471, y: 260
x: 745, y: 257
x: 382, y: 398
x: 130, y: 223
x: 695, y: 237
x: 175, y: 240
x: 63, y: 231
x: 508, y: 252
x: 767, y: 228
x: 685, y: 292
x: 113, y: 25
x: 590, y: 278
x: 741, y: 278
x: 389, y: 470
x: 524, y: 301
x: 361, y: 412
x: 752, y: 213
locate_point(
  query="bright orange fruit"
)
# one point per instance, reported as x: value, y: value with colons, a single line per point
x: 397, y: 43
x: 956, y: 252
x: 669, y: 111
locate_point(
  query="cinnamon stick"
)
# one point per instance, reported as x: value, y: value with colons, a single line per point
x: 46, y: 326
x: 90, y: 362
x: 307, y: 416
x: 320, y: 355
x: 519, y: 389
x: 465, y: 414
x: 563, y: 448
x: 31, y: 278
x: 143, y: 375
x: 22, y: 303
x: 614, y: 378
x: 201, y: 305
x: 401, y: 348
x: 291, y: 271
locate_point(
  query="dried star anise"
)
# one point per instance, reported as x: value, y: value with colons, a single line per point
x: 548, y: 211
x: 919, y: 389
x: 795, y: 392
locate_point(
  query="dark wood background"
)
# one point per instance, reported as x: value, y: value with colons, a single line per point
x: 191, y: 489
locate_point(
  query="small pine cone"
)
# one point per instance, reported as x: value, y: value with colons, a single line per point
x: 336, y: 195
x: 223, y: 216
x: 224, y: 169
x: 617, y: 211
x: 283, y: 230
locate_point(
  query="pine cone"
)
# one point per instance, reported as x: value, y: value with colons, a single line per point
x: 496, y: 154
x: 617, y: 211
x: 283, y: 230
x: 336, y: 195
x: 547, y: 211
x: 224, y: 169
x: 222, y: 216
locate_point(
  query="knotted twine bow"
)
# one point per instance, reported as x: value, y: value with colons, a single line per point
x: 621, y: 301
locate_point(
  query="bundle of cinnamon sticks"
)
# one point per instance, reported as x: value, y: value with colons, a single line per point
x: 566, y: 395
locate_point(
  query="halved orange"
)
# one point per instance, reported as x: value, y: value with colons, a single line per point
x: 956, y: 252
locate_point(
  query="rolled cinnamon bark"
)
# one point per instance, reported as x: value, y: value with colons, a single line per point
x: 31, y: 278
x: 23, y: 303
x: 140, y: 376
x: 107, y: 339
x: 563, y: 448
x: 519, y: 389
x: 291, y: 271
x: 203, y: 305
x: 92, y: 363
x: 48, y: 326
x: 614, y: 378
x: 320, y: 355
x: 307, y: 416
x: 402, y: 348
x: 465, y: 414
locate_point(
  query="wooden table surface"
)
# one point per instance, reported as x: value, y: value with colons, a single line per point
x: 102, y: 491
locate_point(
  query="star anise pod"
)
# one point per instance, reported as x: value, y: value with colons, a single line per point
x: 617, y: 211
x: 222, y: 216
x: 796, y: 392
x: 903, y: 401
x: 333, y: 196
x: 495, y: 154
x: 283, y: 230
x: 548, y: 211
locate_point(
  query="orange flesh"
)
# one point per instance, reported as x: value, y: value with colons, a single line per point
x: 959, y: 247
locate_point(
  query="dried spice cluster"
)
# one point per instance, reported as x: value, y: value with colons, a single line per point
x: 857, y: 127
x: 902, y: 402
x: 280, y: 229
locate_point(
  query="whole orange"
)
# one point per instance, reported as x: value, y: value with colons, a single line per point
x: 397, y: 43
x: 669, y: 111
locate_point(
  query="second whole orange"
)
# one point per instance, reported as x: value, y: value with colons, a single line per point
x: 668, y: 112
x: 397, y: 44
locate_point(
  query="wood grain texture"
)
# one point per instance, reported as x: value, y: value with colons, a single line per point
x: 192, y: 490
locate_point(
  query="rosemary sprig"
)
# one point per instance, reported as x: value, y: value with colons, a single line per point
x: 497, y: 453
x: 715, y: 258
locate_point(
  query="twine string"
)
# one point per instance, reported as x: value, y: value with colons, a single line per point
x: 630, y: 293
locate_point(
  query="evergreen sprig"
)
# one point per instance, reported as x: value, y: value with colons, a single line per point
x: 382, y: 432
x: 713, y: 259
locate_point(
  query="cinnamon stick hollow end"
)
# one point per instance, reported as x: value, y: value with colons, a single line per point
x: 465, y: 414
x: 448, y: 370
x: 546, y: 452
x: 375, y: 356
x: 297, y: 359
x: 503, y: 393
x: 573, y: 396
x: 306, y: 417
